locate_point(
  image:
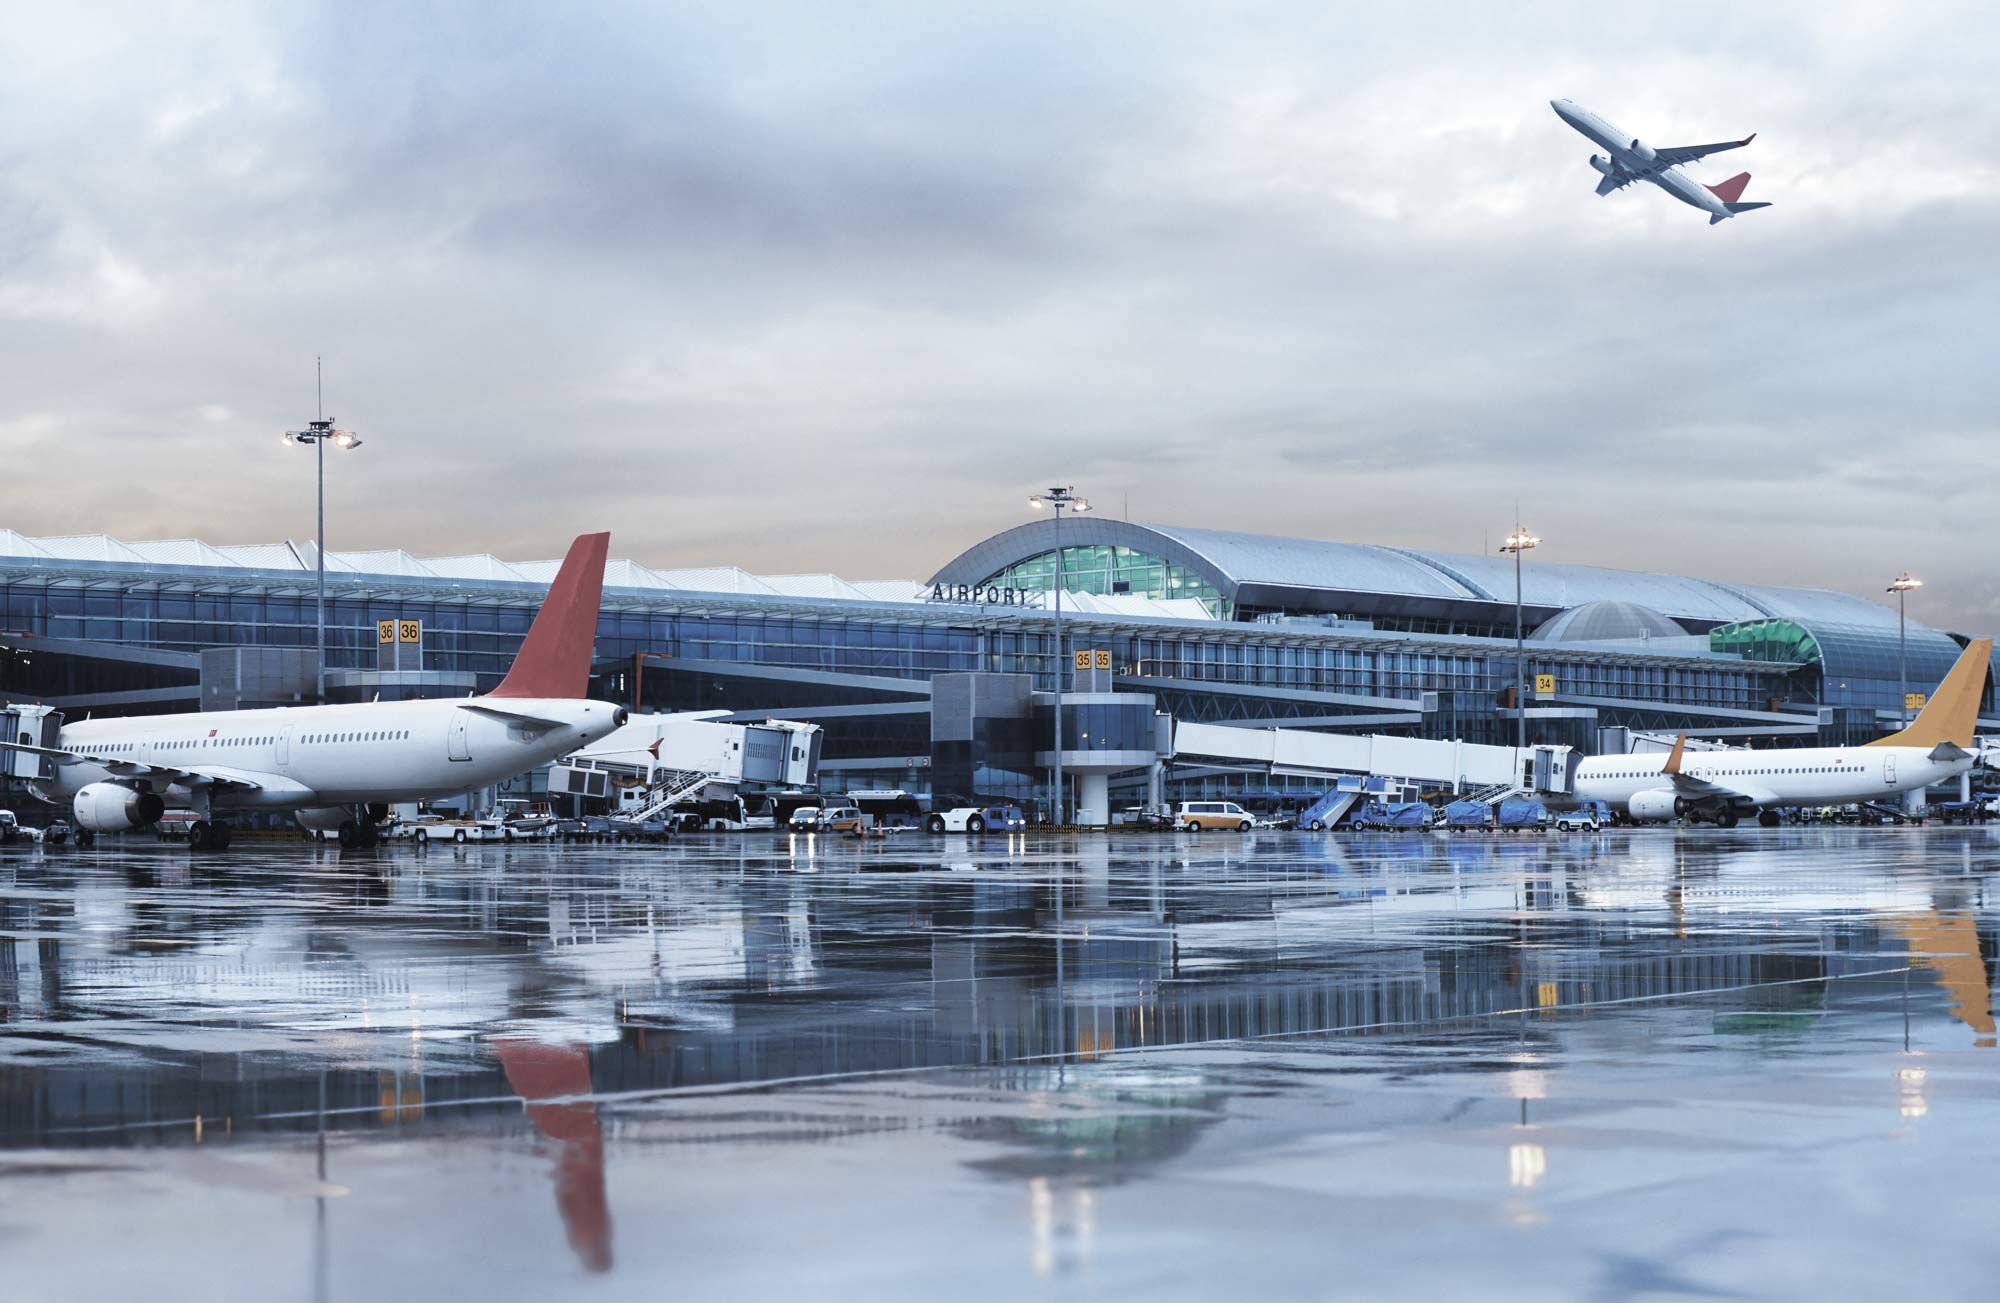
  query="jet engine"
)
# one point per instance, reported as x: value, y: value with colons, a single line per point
x: 323, y: 818
x: 1604, y: 165
x: 1643, y: 150
x: 107, y: 807
x: 1660, y: 803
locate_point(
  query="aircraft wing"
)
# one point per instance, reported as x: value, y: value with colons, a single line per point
x: 237, y: 780
x: 1690, y: 788
x: 1610, y: 183
x: 1675, y: 155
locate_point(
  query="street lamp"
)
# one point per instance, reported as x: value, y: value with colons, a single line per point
x: 319, y: 434
x: 1062, y: 498
x: 1904, y: 583
x: 1518, y: 542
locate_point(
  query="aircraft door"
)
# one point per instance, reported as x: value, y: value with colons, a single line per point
x: 460, y: 748
x: 284, y: 746
x: 1889, y: 769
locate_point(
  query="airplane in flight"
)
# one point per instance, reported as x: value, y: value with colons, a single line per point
x: 1627, y: 159
x: 1936, y: 746
x: 339, y: 768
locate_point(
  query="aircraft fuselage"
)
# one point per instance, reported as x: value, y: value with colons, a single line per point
x: 1617, y: 144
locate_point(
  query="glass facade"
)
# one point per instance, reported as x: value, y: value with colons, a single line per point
x: 1844, y: 665
x: 685, y: 650
x: 1102, y: 570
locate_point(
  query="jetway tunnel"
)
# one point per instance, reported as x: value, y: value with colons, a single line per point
x: 1458, y: 765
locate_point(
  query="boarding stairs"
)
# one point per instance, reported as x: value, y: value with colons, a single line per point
x: 669, y: 788
x: 1330, y: 809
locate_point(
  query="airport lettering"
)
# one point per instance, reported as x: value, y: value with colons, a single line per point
x: 983, y: 595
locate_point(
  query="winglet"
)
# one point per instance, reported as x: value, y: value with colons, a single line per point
x: 1747, y: 139
x: 1953, y: 710
x: 1731, y: 190
x: 1673, y: 765
x: 554, y: 660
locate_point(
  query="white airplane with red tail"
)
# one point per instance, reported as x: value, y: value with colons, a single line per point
x: 1627, y: 159
x: 340, y: 767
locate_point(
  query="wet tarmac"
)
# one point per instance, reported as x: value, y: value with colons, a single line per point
x: 1756, y: 1063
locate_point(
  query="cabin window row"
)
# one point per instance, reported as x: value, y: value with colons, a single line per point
x: 1776, y: 769
x: 389, y: 735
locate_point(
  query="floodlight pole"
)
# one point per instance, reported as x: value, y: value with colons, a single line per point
x: 319, y: 432
x: 1901, y: 587
x: 319, y: 562
x: 1061, y: 497
x: 1518, y: 542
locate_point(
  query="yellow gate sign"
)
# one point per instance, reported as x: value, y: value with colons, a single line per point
x: 1103, y: 659
x: 1915, y: 700
x: 1545, y: 685
x: 385, y: 631
x: 1083, y: 660
x: 410, y: 631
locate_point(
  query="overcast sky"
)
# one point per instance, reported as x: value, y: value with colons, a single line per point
x: 833, y: 287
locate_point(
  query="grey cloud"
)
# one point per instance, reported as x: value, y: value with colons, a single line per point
x: 685, y: 272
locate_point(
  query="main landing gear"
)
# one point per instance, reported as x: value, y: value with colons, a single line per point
x: 204, y: 835
x: 1768, y: 818
x: 1727, y: 819
x: 356, y: 835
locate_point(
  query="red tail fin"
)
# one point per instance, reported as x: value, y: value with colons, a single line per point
x: 1732, y: 189
x: 554, y: 661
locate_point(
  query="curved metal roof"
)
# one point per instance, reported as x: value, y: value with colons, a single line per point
x: 1607, y: 621
x: 1266, y: 570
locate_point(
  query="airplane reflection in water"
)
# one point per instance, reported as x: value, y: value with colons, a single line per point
x: 457, y: 994
x: 1189, y: 946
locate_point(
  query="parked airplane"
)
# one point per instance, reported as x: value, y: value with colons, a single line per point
x: 341, y: 767
x: 1935, y: 747
x: 1628, y: 159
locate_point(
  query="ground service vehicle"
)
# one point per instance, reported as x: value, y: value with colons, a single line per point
x: 804, y: 819
x: 1199, y: 816
x: 842, y: 818
x: 977, y: 818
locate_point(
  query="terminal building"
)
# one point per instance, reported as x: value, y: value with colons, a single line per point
x: 943, y: 687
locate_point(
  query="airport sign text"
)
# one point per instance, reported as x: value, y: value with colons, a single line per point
x: 985, y: 595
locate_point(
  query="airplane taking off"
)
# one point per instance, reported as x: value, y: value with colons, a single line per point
x: 1628, y: 158
x: 340, y: 767
x: 1936, y: 746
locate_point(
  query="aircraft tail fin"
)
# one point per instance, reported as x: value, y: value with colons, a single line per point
x: 1731, y: 190
x: 1953, y: 710
x: 1673, y: 761
x: 554, y: 660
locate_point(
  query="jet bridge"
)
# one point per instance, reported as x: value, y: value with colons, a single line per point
x: 1458, y: 765
x: 681, y: 758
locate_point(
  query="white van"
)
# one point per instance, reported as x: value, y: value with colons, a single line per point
x: 1196, y: 816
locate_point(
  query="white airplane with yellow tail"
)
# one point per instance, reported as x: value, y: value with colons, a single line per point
x: 1936, y: 747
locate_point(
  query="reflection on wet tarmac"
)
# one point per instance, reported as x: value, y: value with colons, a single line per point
x: 1062, y: 1018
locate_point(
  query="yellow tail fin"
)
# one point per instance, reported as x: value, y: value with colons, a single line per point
x: 1953, y: 710
x: 1673, y: 761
